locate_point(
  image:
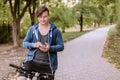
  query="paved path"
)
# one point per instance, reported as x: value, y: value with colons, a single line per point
x: 81, y: 59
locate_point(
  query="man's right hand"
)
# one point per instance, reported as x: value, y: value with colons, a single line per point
x: 37, y: 45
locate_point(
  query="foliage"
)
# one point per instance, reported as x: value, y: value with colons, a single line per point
x: 112, y: 32
x: 25, y: 24
x: 5, y: 15
x: 5, y: 30
x: 63, y: 17
x: 112, y: 47
x: 94, y: 12
x: 17, y: 9
x: 118, y: 27
x: 5, y: 21
x: 97, y: 11
x: 31, y: 10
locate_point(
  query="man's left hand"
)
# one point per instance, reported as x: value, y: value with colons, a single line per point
x: 45, y: 48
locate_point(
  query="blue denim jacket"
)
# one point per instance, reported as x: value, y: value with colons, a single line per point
x: 54, y: 39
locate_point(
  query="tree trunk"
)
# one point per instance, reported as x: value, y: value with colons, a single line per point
x: 16, y: 32
x: 111, y: 20
x: 95, y: 24
x: 33, y: 21
x: 81, y: 23
x: 63, y: 29
x: 32, y: 12
x: 32, y: 17
x: 17, y: 15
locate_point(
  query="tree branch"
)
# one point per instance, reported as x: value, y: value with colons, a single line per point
x: 11, y: 8
x: 34, y: 6
x: 5, y: 1
x: 24, y: 9
x: 18, y: 7
x: 30, y: 11
x: 15, y: 7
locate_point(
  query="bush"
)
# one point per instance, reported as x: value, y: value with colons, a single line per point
x: 6, y: 33
x: 118, y: 27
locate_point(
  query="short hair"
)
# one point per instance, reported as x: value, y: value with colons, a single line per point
x: 40, y: 10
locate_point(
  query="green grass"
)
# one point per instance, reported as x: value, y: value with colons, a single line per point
x: 112, y: 47
x: 71, y: 35
x: 112, y: 31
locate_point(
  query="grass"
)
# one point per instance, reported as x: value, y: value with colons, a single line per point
x: 112, y: 47
x: 112, y: 32
x: 71, y: 35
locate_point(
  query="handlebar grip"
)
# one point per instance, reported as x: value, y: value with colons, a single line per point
x: 15, y: 66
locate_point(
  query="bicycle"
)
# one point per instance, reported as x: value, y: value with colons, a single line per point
x: 34, y: 75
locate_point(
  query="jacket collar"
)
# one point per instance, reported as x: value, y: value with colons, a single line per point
x: 52, y: 26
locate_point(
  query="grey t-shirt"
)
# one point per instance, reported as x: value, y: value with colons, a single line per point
x: 41, y: 57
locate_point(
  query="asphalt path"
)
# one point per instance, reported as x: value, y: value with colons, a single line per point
x: 81, y: 58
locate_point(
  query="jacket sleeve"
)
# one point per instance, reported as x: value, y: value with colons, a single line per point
x: 59, y: 42
x: 27, y: 43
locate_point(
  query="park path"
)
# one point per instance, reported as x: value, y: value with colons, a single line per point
x: 81, y: 58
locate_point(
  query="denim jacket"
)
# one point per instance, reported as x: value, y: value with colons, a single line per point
x: 54, y: 39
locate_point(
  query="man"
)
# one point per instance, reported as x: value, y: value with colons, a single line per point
x: 43, y: 40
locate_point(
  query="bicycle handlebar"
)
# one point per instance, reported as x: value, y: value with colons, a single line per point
x: 20, y: 69
x: 17, y: 67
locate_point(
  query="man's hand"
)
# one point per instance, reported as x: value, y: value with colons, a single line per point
x: 45, y: 48
x: 37, y: 45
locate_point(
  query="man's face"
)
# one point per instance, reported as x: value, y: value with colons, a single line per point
x: 43, y: 18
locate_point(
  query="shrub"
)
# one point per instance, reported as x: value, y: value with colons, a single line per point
x: 118, y: 27
x: 6, y: 33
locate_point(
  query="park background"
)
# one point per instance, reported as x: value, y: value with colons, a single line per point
x: 72, y: 17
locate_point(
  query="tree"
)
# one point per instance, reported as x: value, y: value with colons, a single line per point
x: 107, y: 11
x: 34, y: 5
x: 17, y: 9
x: 96, y: 11
x: 5, y: 16
x: 63, y: 17
x: 32, y: 8
x: 80, y: 10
